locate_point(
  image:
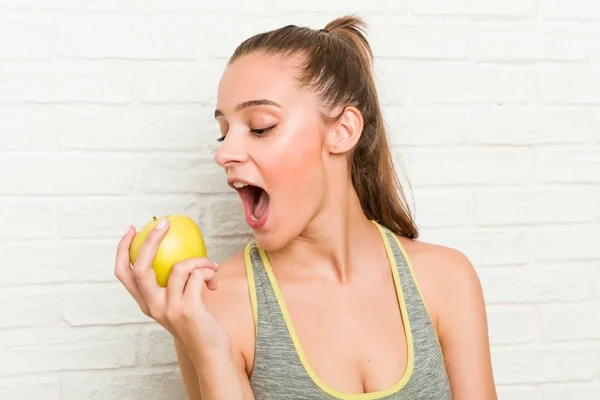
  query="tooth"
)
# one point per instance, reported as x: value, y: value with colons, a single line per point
x: 239, y: 185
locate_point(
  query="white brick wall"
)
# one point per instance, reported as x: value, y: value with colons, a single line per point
x: 106, y: 119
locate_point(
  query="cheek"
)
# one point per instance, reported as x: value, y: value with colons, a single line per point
x: 296, y: 172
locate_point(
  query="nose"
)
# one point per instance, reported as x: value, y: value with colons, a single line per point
x: 231, y: 151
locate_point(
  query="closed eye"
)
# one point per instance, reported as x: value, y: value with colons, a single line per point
x: 262, y: 131
x: 258, y: 132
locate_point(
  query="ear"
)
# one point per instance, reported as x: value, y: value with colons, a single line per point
x: 345, y: 132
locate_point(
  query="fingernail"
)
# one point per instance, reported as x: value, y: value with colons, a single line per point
x: 127, y: 231
x: 161, y: 224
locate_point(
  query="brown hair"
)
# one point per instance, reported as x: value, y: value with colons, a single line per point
x: 338, y: 66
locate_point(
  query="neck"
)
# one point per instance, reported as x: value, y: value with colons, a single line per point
x: 335, y: 242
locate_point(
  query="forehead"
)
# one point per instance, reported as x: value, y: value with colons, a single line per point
x: 258, y: 76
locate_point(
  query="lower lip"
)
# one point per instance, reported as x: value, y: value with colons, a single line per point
x: 256, y: 223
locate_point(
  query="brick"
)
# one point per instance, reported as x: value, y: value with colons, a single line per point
x: 525, y: 125
x: 525, y: 364
x: 576, y: 9
x: 27, y: 219
x: 563, y: 43
x: 431, y: 41
x: 356, y: 6
x: 174, y: 6
x: 242, y: 26
x: 65, y: 81
x: 96, y: 5
x: 570, y: 321
x: 517, y: 392
x: 390, y: 79
x: 571, y: 391
x: 598, y: 202
x: 526, y: 42
x: 183, y: 175
x: 29, y: 307
x: 468, y: 85
x: 37, y: 38
x: 129, y: 36
x: 187, y: 6
x: 222, y: 248
x: 155, y: 346
x: 552, y: 245
x: 570, y: 86
x: 595, y: 274
x: 509, y: 8
x: 178, y: 82
x: 528, y: 206
x: 227, y: 217
x: 37, y: 350
x: 100, y: 304
x: 159, y: 127
x: 52, y: 262
x: 511, y: 324
x: 62, y: 174
x: 596, y: 49
x: 467, y: 166
x: 100, y: 36
x: 28, y: 387
x: 501, y: 42
x: 154, y: 384
x: 427, y: 125
x: 28, y: 127
x: 486, y: 247
x: 568, y: 164
x: 549, y: 282
x: 108, y: 218
x: 437, y: 209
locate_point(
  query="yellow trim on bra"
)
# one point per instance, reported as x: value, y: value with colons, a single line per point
x: 299, y: 350
x: 251, y: 286
x: 412, y: 272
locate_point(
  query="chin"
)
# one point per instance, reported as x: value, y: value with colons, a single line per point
x: 269, y: 241
x: 272, y: 239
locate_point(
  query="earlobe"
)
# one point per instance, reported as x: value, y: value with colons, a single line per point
x: 346, y: 131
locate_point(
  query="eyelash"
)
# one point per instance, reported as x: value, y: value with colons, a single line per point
x: 259, y: 132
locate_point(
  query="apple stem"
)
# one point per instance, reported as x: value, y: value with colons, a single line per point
x: 154, y: 218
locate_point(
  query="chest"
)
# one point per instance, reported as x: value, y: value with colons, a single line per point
x: 351, y: 335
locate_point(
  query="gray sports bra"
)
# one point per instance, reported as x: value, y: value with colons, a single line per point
x: 282, y: 372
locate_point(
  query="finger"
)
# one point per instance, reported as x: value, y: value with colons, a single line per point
x: 179, y: 275
x: 122, y: 258
x: 143, y: 272
x: 212, y: 283
x: 196, y: 282
x: 123, y: 269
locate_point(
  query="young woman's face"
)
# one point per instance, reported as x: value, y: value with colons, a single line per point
x: 273, y: 142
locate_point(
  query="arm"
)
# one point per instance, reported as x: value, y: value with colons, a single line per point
x: 463, y: 331
x: 213, y: 379
x: 223, y: 373
x: 188, y: 372
x: 204, y: 349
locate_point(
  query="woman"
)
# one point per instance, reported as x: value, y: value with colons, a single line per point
x: 334, y: 297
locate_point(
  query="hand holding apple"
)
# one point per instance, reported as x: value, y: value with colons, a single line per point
x: 183, y: 240
x: 178, y: 305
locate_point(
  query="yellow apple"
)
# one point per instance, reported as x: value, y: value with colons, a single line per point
x: 183, y: 240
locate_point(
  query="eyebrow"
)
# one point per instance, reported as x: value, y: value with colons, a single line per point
x: 249, y: 103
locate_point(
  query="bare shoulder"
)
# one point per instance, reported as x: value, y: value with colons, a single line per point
x: 232, y: 286
x: 445, y: 276
x: 230, y: 303
x: 454, y: 296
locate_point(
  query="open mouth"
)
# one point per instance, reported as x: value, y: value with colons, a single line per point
x: 254, y: 198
